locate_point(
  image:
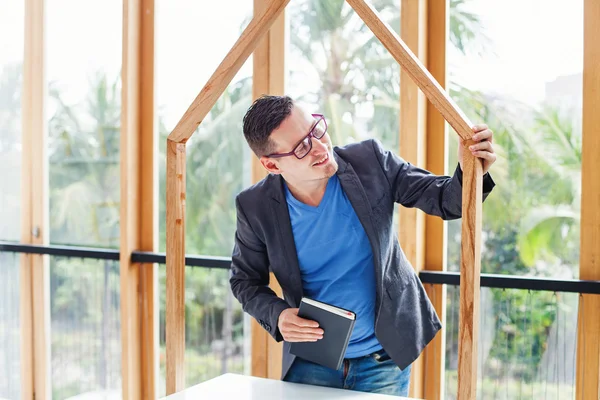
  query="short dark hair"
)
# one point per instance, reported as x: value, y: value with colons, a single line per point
x: 262, y: 118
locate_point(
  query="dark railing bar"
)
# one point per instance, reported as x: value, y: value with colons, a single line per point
x: 515, y: 282
x: 112, y: 254
x: 427, y: 277
x: 192, y: 261
x: 62, y: 251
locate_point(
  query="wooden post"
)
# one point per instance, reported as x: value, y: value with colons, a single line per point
x: 129, y: 272
x: 137, y: 216
x: 34, y: 274
x: 175, y: 301
x: 435, y: 228
x: 148, y: 206
x: 239, y: 53
x: 588, y: 343
x: 470, y: 267
x: 472, y: 184
x: 268, y: 78
x: 413, y: 124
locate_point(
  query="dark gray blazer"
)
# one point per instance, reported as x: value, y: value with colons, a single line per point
x: 373, y: 180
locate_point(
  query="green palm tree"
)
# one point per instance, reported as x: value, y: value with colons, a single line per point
x: 550, y: 231
x: 356, y: 71
x: 84, y: 209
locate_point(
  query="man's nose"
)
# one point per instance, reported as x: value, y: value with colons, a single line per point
x: 318, y: 146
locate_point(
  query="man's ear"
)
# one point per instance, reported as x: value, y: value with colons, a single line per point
x: 270, y: 165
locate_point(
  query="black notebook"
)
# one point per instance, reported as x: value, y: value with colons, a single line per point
x: 337, y: 325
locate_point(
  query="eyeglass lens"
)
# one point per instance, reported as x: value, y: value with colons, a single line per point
x: 306, y: 145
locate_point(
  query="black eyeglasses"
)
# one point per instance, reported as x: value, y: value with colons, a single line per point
x: 301, y: 150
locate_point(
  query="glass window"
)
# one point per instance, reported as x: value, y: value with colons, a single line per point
x: 11, y: 79
x: 84, y: 100
x: 517, y: 66
x: 85, y: 328
x: 532, y: 100
x: 527, y: 344
x: 340, y: 69
x: 218, y: 168
x: 217, y: 338
x: 218, y: 157
x: 10, y: 327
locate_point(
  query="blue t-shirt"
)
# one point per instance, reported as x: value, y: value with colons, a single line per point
x: 336, y: 261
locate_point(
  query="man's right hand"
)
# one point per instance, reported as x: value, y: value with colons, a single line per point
x: 296, y: 329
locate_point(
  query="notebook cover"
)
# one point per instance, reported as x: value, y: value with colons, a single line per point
x: 330, y: 350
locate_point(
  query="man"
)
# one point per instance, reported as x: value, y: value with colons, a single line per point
x: 322, y: 222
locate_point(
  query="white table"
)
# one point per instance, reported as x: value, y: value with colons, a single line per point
x: 241, y: 387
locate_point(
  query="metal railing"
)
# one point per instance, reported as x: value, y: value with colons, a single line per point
x: 426, y: 277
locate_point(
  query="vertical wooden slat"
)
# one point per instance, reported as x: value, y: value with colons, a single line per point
x: 175, y: 301
x: 130, y: 200
x: 435, y: 228
x: 268, y: 78
x: 138, y: 202
x: 148, y: 205
x: 470, y: 267
x: 413, y: 106
x: 588, y: 343
x: 35, y: 288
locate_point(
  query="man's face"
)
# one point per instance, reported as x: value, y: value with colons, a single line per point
x: 318, y: 164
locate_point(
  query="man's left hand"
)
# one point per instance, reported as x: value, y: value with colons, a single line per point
x: 483, y: 147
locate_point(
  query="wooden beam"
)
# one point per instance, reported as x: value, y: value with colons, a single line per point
x: 413, y: 106
x: 131, y: 354
x: 225, y: 72
x: 175, y: 301
x: 588, y: 343
x: 470, y: 268
x: 435, y: 228
x: 268, y: 78
x: 414, y: 68
x: 34, y: 285
x: 148, y: 206
x: 138, y: 227
x: 471, y: 197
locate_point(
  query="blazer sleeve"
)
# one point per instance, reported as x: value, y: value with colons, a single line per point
x: 416, y: 187
x: 249, y: 277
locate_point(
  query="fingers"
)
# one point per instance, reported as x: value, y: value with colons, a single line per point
x: 482, y: 133
x: 296, y: 320
x: 486, y: 155
x: 293, y: 336
x: 294, y: 333
x: 291, y: 328
x: 296, y: 329
x: 485, y: 146
x: 479, y: 127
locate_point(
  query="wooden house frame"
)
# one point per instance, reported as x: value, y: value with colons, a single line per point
x: 200, y: 107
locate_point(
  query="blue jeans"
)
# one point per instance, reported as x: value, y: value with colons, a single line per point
x: 374, y: 373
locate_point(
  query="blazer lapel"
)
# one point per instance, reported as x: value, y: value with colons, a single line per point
x: 284, y: 226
